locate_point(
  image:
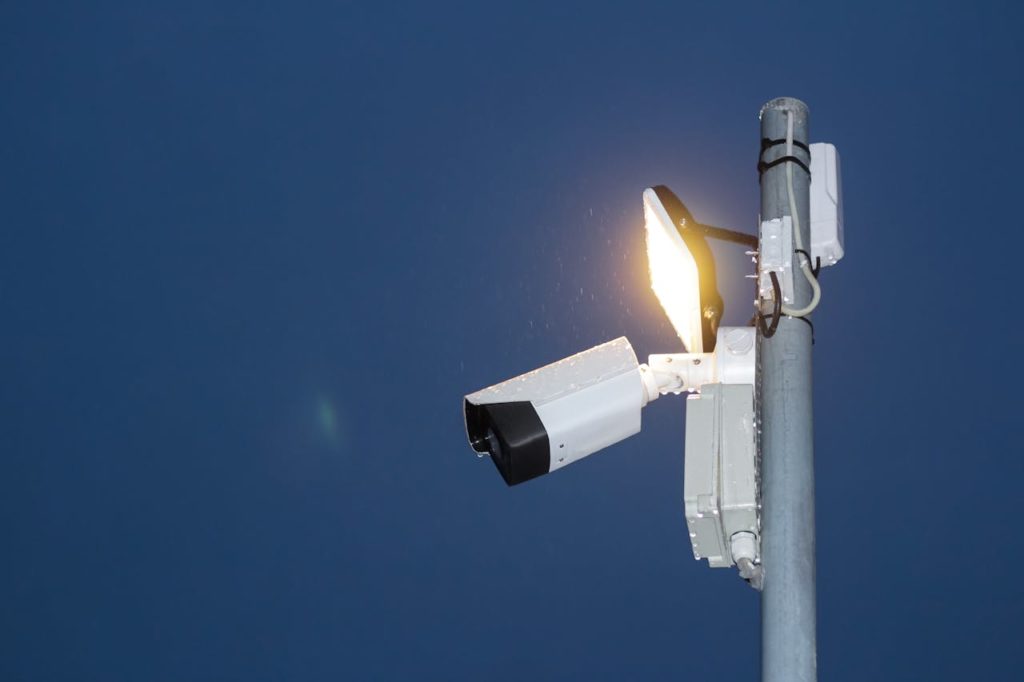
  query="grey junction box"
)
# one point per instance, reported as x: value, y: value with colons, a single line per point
x: 720, y: 484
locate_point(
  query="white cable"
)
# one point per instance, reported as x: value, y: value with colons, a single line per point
x: 805, y: 261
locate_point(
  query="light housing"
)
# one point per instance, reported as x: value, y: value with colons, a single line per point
x: 682, y: 269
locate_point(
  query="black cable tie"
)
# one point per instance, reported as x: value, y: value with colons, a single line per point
x: 816, y: 268
x: 768, y: 330
x: 809, y: 324
x: 763, y: 166
x: 768, y: 143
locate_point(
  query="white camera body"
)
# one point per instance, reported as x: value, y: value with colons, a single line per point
x: 560, y: 413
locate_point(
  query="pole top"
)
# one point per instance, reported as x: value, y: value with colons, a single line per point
x: 798, y: 108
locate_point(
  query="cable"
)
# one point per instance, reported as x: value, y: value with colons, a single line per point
x: 767, y: 143
x: 805, y: 262
x: 817, y: 262
x: 762, y: 166
x: 768, y: 330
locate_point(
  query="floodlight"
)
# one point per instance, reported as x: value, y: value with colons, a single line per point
x: 682, y: 269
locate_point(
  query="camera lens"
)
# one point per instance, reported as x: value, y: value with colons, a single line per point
x: 494, y: 445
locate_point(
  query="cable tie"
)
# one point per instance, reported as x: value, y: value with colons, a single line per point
x: 767, y: 143
x: 763, y: 166
x: 816, y: 268
x: 808, y: 322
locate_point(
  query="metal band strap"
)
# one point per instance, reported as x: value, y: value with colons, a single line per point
x: 768, y: 143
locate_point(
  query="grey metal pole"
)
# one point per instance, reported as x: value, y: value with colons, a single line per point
x: 788, y: 616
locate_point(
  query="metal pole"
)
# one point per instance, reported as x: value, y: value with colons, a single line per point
x: 788, y: 617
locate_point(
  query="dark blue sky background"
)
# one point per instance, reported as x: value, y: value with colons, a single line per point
x: 252, y: 256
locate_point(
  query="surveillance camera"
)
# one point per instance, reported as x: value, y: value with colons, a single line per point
x: 555, y: 415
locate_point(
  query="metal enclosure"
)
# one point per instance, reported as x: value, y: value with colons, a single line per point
x: 826, y: 204
x: 720, y: 484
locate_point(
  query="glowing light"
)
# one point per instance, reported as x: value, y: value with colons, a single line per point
x: 674, y: 275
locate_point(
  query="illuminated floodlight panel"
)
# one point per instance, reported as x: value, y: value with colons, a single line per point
x: 674, y: 275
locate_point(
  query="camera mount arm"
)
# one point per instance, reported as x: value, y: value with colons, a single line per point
x: 732, y: 362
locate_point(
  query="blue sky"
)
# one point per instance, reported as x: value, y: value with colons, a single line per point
x: 253, y: 255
